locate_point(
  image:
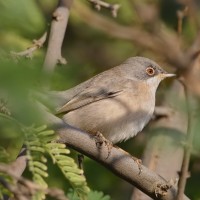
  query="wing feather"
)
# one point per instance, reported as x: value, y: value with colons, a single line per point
x: 87, y: 97
x: 96, y: 89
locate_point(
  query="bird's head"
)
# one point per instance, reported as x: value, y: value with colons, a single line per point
x: 144, y: 69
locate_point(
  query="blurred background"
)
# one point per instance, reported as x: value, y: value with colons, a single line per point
x: 89, y: 51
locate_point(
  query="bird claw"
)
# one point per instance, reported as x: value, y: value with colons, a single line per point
x: 100, y: 140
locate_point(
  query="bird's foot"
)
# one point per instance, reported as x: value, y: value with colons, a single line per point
x: 100, y: 140
x: 139, y: 164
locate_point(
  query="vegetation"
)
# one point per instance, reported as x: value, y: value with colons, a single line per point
x: 165, y: 31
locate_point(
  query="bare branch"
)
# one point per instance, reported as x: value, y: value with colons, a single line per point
x: 162, y: 41
x: 184, y: 174
x: 164, y: 152
x: 147, y: 13
x: 119, y: 162
x: 112, y: 7
x: 154, y: 41
x: 181, y: 14
x: 28, y: 53
x: 57, y: 33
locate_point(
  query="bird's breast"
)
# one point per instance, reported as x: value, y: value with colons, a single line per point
x: 118, y: 118
x: 132, y: 113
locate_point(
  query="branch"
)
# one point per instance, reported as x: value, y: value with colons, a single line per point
x: 181, y: 14
x: 112, y: 7
x: 163, y: 152
x: 147, y: 13
x: 28, y: 53
x: 188, y: 146
x: 57, y: 33
x: 119, y: 162
x: 152, y: 40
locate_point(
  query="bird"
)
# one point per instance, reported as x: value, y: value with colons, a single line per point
x: 117, y: 103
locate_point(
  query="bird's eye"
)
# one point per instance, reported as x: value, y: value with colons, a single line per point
x: 150, y: 71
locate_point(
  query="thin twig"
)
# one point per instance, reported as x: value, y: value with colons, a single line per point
x: 112, y: 7
x: 184, y: 174
x: 28, y: 53
x: 181, y: 14
x: 153, y: 41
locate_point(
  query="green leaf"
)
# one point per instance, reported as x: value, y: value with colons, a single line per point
x: 93, y: 195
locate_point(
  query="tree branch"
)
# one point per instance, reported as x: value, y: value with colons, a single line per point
x: 57, y: 33
x: 112, y: 7
x: 28, y: 53
x: 184, y: 174
x: 164, y: 152
x: 152, y: 40
x: 180, y: 15
x: 119, y: 162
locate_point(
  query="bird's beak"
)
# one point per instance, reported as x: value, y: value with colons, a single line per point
x: 169, y: 75
x: 166, y: 75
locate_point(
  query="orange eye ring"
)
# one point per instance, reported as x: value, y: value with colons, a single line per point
x: 150, y: 71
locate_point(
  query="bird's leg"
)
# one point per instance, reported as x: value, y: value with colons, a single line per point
x: 100, y: 140
x: 80, y: 161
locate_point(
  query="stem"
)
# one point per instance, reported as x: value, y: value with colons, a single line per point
x: 187, y: 148
x: 57, y: 33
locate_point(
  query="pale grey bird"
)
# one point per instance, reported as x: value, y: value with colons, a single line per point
x: 118, y: 102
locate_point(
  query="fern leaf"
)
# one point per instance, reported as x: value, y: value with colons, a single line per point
x: 69, y: 168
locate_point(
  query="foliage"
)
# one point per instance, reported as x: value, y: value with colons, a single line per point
x: 88, y: 52
x: 40, y: 141
x: 93, y: 195
x: 4, y: 158
x: 17, y: 81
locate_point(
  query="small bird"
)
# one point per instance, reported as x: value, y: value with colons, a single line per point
x: 118, y: 102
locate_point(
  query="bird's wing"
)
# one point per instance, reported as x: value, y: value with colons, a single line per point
x: 97, y: 91
x: 88, y: 96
